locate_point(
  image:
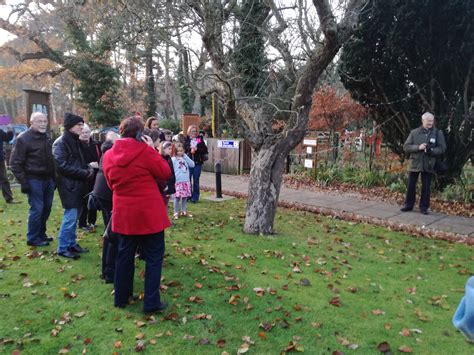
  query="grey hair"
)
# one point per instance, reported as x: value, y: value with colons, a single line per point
x: 36, y: 114
x: 427, y: 115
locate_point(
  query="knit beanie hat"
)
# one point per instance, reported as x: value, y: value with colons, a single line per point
x: 70, y: 120
x: 463, y: 318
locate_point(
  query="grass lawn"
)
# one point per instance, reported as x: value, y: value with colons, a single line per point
x: 319, y: 286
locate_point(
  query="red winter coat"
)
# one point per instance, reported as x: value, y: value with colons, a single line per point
x: 131, y: 169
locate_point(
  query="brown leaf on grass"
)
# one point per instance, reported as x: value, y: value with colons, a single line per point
x: 243, y: 348
x: 195, y: 299
x: 80, y: 314
x: 378, y: 312
x: 71, y: 295
x: 139, y: 323
x: 405, y: 349
x: 259, y: 292
x: 63, y: 351
x: 220, y: 343
x: 387, y: 326
x: 171, y: 316
x: 352, y: 289
x: 297, y: 307
x: 202, y: 316
x: 87, y: 341
x: 140, y: 346
x: 188, y: 337
x: 266, y: 326
x: 293, y: 347
x: 384, y: 347
x: 420, y: 315
x: 203, y: 341
x: 233, y: 300
x: 140, y: 336
x: 118, y: 344
x: 152, y: 341
x: 335, y: 301
x: 198, y: 285
x: 262, y: 335
x: 405, y: 332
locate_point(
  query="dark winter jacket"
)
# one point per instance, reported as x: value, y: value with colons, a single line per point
x: 197, y: 157
x: 101, y: 189
x: 419, y: 159
x: 92, y: 153
x: 4, y: 137
x: 168, y: 187
x: 72, y: 170
x: 32, y: 157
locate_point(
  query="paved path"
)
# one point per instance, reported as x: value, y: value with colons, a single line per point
x: 348, y: 203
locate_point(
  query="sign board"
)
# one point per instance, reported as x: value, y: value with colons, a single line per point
x: 311, y: 142
x: 309, y: 150
x: 4, y: 120
x: 227, y: 144
x: 308, y: 163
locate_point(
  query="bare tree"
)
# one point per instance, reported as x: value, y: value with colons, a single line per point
x: 273, y: 124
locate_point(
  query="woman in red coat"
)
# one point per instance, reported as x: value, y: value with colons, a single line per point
x: 139, y: 216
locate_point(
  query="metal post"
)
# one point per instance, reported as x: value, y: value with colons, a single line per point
x: 218, y: 171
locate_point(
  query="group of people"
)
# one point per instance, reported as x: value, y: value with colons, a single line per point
x: 130, y: 180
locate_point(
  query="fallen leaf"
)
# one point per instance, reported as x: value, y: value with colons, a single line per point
x: 117, y: 344
x: 203, y: 341
x: 188, y: 337
x: 220, y: 343
x: 198, y: 285
x: 140, y: 346
x: 335, y: 301
x: 202, y: 316
x: 378, y: 312
x: 80, y: 314
x: 405, y: 332
x: 233, y: 299
x: 140, y: 336
x: 87, y: 341
x: 405, y: 349
x: 384, y: 347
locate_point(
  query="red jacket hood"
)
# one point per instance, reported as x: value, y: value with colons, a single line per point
x: 125, y: 150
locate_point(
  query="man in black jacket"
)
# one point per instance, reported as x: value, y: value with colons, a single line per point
x: 33, y: 166
x: 6, y: 190
x: 73, y: 174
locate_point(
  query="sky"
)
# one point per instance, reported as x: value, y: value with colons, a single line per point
x: 4, y: 12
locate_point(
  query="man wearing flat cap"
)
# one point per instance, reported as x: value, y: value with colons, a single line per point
x: 73, y: 173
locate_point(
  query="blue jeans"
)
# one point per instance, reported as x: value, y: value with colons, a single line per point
x: 67, y: 233
x: 195, y: 175
x: 40, y: 200
x: 153, y: 248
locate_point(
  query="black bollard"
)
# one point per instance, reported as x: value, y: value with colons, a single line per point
x: 218, y: 170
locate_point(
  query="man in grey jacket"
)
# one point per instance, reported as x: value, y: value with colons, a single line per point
x: 424, y: 144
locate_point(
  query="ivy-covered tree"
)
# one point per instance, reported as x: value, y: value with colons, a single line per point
x: 186, y: 93
x: 249, y: 54
x: 412, y: 56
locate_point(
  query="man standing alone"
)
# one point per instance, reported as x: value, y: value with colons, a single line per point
x: 33, y: 166
x: 423, y: 144
x: 73, y: 174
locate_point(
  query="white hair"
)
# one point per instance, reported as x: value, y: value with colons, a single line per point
x: 427, y: 115
x: 111, y: 136
x: 37, y: 114
x: 86, y: 127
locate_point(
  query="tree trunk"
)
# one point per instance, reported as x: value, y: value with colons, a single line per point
x: 264, y: 189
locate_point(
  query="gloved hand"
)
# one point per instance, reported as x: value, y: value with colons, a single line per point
x: 25, y: 188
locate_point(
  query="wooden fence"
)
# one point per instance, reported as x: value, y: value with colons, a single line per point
x: 235, y: 155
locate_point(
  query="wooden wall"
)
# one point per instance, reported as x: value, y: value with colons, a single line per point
x: 233, y: 161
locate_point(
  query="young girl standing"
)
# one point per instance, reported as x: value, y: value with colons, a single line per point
x: 181, y: 165
x: 167, y: 188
